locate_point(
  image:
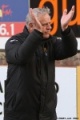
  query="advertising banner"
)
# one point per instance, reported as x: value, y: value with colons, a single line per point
x: 12, y: 18
x: 57, y: 7
x: 68, y: 79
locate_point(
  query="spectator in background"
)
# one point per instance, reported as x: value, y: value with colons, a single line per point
x: 30, y: 88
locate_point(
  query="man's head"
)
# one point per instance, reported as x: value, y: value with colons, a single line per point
x: 44, y: 18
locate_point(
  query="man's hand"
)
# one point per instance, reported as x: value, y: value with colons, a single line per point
x: 66, y: 18
x: 36, y: 22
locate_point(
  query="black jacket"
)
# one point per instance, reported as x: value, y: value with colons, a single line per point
x: 30, y: 92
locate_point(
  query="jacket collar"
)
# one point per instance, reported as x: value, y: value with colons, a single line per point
x: 25, y: 30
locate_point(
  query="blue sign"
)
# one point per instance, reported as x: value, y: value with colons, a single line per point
x: 13, y: 10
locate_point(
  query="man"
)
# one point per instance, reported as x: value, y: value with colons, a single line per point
x: 30, y: 91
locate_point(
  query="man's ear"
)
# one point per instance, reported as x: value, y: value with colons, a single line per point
x: 31, y: 25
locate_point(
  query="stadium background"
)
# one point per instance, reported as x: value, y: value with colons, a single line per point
x: 12, y: 20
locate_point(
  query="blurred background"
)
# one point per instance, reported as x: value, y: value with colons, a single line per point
x: 12, y: 21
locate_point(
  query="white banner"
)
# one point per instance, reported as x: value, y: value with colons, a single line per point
x: 4, y: 39
x: 3, y: 70
x: 67, y: 101
x: 66, y: 78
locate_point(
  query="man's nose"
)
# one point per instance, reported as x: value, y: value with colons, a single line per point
x: 49, y: 26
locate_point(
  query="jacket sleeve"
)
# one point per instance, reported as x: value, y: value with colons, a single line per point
x: 66, y: 46
x: 18, y: 53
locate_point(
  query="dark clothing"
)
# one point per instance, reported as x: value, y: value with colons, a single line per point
x: 30, y: 92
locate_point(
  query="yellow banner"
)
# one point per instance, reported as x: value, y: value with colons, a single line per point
x: 78, y: 92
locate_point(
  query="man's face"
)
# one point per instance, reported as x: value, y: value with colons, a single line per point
x: 45, y: 21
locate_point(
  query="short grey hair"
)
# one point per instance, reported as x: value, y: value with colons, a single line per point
x: 37, y: 11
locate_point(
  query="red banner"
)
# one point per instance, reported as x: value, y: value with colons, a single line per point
x: 8, y: 29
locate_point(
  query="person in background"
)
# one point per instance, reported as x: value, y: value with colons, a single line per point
x: 30, y: 87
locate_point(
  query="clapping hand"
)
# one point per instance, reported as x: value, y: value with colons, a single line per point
x: 36, y: 22
x: 67, y: 17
